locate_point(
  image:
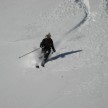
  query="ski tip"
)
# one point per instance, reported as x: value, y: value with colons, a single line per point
x: 37, y: 66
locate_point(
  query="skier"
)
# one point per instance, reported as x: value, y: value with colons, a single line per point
x: 46, y: 45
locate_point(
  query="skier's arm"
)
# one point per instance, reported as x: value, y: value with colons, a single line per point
x: 42, y: 44
x: 53, y: 47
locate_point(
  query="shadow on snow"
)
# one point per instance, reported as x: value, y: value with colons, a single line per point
x: 78, y: 25
x: 63, y: 55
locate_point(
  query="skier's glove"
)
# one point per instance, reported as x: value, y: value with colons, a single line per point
x: 53, y: 51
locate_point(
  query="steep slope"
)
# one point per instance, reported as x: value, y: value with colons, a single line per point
x: 75, y: 76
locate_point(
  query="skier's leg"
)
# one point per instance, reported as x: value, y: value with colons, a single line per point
x: 46, y: 55
x: 43, y: 60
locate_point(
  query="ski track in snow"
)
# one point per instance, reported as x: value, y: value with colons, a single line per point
x: 85, y: 5
x: 86, y: 8
x: 42, y: 24
x: 80, y: 83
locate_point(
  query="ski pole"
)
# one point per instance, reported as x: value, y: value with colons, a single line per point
x: 29, y: 52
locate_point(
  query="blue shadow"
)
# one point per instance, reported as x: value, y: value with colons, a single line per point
x: 63, y: 55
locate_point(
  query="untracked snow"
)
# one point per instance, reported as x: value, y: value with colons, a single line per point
x: 76, y: 75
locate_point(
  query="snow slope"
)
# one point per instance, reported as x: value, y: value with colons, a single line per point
x: 76, y: 75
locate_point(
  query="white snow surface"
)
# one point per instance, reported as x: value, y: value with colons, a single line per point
x: 76, y: 75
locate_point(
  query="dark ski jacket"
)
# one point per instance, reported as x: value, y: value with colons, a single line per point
x: 47, y: 44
